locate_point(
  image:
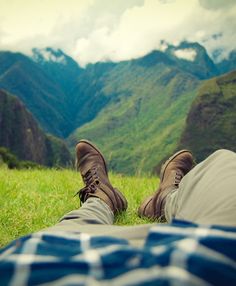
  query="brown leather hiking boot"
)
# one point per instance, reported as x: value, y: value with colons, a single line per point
x: 92, y: 166
x: 172, y: 172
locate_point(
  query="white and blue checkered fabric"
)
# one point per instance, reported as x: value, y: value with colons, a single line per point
x: 180, y: 253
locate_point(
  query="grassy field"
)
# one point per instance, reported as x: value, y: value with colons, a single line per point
x: 34, y: 199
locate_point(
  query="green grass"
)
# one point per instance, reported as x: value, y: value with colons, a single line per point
x: 31, y: 200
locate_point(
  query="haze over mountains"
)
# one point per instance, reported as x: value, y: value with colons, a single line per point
x: 134, y: 110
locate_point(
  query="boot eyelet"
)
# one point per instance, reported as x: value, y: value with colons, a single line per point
x: 92, y: 188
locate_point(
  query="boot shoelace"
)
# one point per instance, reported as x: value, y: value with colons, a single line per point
x: 178, y: 178
x: 91, y: 181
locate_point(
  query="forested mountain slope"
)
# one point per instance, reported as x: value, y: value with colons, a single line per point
x: 211, y: 122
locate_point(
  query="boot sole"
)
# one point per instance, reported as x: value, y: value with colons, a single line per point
x: 95, y: 147
x: 123, y: 200
x: 165, y: 165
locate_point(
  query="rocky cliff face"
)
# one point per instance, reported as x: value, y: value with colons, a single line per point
x: 211, y: 121
x: 21, y: 134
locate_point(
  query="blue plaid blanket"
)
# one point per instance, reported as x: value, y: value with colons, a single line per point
x: 180, y: 253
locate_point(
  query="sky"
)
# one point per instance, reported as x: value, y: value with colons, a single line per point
x: 102, y: 30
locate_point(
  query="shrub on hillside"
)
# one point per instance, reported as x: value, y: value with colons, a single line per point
x: 13, y: 162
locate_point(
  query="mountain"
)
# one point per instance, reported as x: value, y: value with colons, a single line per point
x: 82, y: 87
x: 147, y: 101
x: 130, y: 109
x: 193, y: 58
x: 90, y: 95
x: 60, y: 68
x: 43, y: 97
x: 211, y: 120
x: 20, y: 133
x: 136, y: 109
x: 63, y: 96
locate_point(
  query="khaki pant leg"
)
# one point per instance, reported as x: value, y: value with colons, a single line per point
x: 207, y: 194
x: 96, y: 219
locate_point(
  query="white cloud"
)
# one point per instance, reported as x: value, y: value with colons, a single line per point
x: 49, y: 56
x: 141, y: 29
x: 186, y: 54
x: 95, y: 30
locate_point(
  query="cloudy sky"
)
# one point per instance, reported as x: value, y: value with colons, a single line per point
x: 98, y: 30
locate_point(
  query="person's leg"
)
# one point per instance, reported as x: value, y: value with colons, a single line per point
x: 95, y: 218
x: 207, y: 194
x: 93, y: 211
x: 172, y: 172
x: 100, y: 202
